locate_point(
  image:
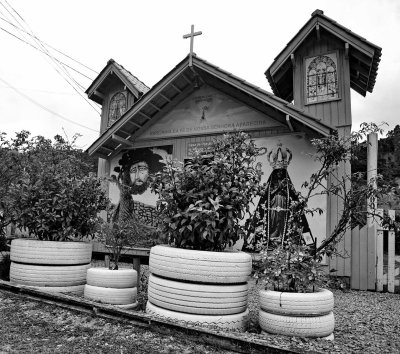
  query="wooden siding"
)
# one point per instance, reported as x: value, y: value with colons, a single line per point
x: 336, y: 113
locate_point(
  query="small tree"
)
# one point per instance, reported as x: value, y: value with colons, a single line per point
x: 55, y: 197
x: 294, y: 265
x: 117, y: 236
x: 202, y: 202
x: 13, y: 159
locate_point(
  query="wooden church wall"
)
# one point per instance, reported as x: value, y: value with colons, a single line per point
x: 116, y: 87
x: 335, y: 112
x: 227, y: 112
x: 338, y: 112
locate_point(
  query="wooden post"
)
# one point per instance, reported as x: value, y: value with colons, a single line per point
x: 136, y: 266
x: 107, y: 261
x: 391, y: 256
x: 372, y: 167
x: 379, y: 255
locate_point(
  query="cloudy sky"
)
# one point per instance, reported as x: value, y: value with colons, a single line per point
x: 242, y: 37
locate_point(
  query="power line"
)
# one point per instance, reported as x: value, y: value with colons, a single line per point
x: 22, y: 40
x: 70, y: 80
x: 44, y: 107
x: 50, y: 46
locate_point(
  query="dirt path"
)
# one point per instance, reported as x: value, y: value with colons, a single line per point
x: 27, y: 326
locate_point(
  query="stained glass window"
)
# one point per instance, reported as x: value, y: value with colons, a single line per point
x: 322, y: 78
x: 117, y: 107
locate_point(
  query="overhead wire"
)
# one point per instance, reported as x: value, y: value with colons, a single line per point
x: 22, y: 40
x: 48, y: 45
x: 45, y: 108
x: 60, y: 68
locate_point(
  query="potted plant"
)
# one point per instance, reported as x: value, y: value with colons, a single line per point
x: 115, y: 285
x: 56, y: 200
x: 295, y: 301
x: 196, y: 278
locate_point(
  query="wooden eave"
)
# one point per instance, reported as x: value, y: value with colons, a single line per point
x: 258, y: 98
x: 362, y: 54
x: 96, y: 89
x: 178, y: 84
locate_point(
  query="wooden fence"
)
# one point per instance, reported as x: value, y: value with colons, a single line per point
x: 371, y: 267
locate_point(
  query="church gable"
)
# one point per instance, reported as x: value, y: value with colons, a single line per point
x: 208, y: 111
x: 116, y: 90
x: 325, y: 33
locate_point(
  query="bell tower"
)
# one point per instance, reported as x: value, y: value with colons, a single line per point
x: 319, y: 66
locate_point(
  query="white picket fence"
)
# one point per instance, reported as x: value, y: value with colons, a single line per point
x: 370, y: 268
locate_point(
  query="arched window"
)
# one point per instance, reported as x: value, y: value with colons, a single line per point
x: 117, y: 107
x: 322, y: 79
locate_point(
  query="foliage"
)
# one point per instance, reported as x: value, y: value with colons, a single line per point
x: 52, y: 193
x: 13, y: 161
x: 119, y: 235
x: 202, y: 202
x: 294, y: 265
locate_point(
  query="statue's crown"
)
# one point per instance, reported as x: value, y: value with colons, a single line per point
x: 279, y: 157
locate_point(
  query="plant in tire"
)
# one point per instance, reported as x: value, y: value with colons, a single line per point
x: 202, y: 202
x: 117, y: 236
x: 57, y: 197
x: 291, y: 265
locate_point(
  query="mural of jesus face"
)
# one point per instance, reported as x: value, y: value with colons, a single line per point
x: 139, y: 173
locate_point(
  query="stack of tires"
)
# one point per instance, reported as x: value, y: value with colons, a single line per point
x: 199, y: 287
x: 297, y: 314
x: 51, y: 266
x: 115, y: 287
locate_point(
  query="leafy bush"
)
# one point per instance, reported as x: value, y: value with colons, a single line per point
x: 202, y: 202
x: 56, y: 197
x: 117, y: 236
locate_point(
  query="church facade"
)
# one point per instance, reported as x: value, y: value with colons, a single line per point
x: 197, y: 101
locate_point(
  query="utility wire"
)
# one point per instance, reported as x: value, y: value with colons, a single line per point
x: 22, y: 40
x: 57, y: 66
x: 44, y: 107
x: 48, y: 45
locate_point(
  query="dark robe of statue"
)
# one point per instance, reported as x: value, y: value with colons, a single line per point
x: 268, y: 225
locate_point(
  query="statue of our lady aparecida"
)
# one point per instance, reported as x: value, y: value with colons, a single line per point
x: 268, y: 226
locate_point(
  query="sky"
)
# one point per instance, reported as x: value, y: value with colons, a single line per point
x: 242, y: 37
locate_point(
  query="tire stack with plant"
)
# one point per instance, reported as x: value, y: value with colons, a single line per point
x: 55, y: 199
x: 195, y: 279
x: 294, y: 301
x: 114, y: 285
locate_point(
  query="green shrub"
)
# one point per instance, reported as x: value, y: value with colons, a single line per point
x: 202, y: 203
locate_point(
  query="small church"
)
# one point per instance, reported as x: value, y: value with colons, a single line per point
x: 197, y: 101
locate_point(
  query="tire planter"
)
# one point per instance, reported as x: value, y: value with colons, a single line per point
x: 199, y: 287
x: 48, y: 276
x: 227, y: 322
x: 297, y: 314
x: 306, y: 304
x: 51, y: 266
x: 197, y: 298
x: 50, y: 252
x: 200, y: 266
x: 115, y: 287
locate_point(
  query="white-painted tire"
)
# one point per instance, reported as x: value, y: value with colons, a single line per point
x: 318, y: 326
x: 305, y: 304
x: 106, y: 278
x: 111, y: 296
x: 228, y: 322
x: 48, y: 276
x: 197, y: 298
x: 69, y: 290
x: 50, y: 252
x: 200, y: 266
x: 129, y: 306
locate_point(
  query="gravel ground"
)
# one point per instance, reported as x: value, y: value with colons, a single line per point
x: 366, y: 322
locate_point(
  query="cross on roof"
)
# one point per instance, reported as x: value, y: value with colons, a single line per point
x: 191, y: 35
